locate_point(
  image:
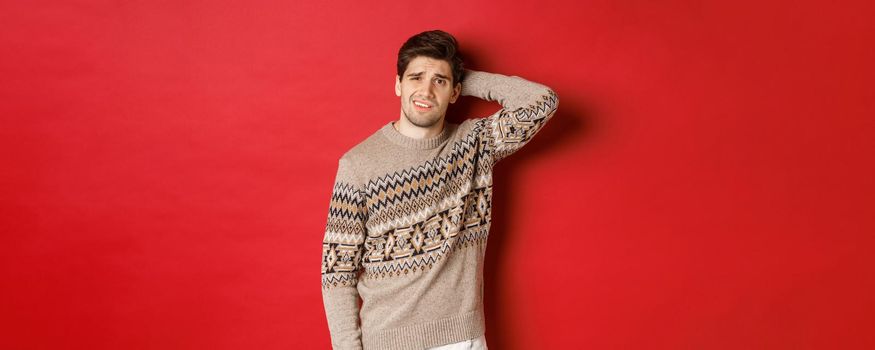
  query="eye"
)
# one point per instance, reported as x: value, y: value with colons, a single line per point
x: 440, y: 81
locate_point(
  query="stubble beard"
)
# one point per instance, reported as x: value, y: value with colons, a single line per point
x: 420, y: 120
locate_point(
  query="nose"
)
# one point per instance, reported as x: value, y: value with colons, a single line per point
x: 428, y: 90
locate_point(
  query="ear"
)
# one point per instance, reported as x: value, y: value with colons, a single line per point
x: 456, y: 91
x: 397, y: 85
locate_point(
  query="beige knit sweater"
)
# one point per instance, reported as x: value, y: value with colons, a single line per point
x: 409, y: 218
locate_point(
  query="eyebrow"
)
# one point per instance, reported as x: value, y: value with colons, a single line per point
x: 436, y: 74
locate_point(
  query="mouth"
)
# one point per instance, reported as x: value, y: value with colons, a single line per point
x: 422, y: 106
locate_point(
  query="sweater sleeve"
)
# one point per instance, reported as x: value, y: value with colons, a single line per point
x: 341, y: 259
x: 526, y: 107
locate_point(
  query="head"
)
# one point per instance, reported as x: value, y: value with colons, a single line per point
x: 430, y: 72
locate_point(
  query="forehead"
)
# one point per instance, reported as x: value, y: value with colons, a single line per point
x: 428, y: 65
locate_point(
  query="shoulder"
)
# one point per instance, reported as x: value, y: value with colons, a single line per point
x: 363, y: 148
x: 354, y: 159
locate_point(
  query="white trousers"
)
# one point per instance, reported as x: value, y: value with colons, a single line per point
x: 478, y: 343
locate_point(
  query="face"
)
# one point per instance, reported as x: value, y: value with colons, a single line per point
x: 426, y: 90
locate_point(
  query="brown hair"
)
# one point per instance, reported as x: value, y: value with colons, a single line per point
x: 436, y: 44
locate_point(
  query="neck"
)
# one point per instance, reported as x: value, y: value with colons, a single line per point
x: 408, y: 129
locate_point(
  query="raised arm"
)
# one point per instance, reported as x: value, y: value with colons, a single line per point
x: 341, y: 258
x: 526, y: 107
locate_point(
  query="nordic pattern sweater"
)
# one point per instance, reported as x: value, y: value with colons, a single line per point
x: 409, y: 218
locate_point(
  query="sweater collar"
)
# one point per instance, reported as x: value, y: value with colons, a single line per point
x: 413, y: 143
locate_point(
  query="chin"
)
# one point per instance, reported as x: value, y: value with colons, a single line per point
x: 425, y: 123
x: 422, y: 122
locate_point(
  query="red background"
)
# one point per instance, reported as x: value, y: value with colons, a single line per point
x: 706, y: 184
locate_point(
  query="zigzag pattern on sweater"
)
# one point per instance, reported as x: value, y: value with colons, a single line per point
x: 422, y: 262
x: 341, y: 248
x: 346, y: 215
x: 338, y: 279
x: 426, y: 180
x: 512, y: 129
x: 423, y: 243
x: 411, y: 248
x: 404, y: 235
x: 393, y: 197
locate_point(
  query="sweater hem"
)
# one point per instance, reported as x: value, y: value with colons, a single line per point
x: 429, y: 334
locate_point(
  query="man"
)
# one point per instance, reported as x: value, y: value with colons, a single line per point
x: 410, y: 210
